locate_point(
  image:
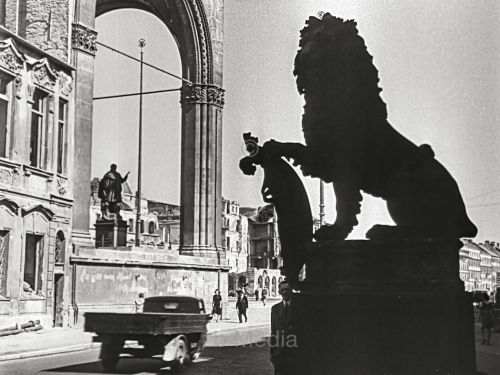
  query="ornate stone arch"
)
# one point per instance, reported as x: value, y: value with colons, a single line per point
x: 11, y: 206
x: 197, y: 27
x: 41, y: 209
x: 187, y: 21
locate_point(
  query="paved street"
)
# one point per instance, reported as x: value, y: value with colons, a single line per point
x: 234, y: 360
x: 246, y: 360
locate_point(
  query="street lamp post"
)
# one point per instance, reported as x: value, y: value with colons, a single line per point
x: 321, y: 203
x: 142, y: 44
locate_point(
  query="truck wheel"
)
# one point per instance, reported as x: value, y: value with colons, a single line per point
x: 181, y: 357
x: 110, y: 353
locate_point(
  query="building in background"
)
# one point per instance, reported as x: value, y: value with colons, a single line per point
x: 235, y: 232
x: 480, y: 265
x: 264, y: 259
x: 169, y: 223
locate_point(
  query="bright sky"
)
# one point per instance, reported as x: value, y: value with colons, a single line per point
x: 438, y: 68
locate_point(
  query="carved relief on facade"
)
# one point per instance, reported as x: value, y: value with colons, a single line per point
x: 18, y: 84
x: 191, y: 94
x: 202, y: 94
x: 200, y: 32
x: 65, y: 84
x: 4, y: 246
x: 5, y: 176
x: 216, y: 96
x: 51, y: 103
x: 62, y: 186
x: 84, y: 39
x: 10, y: 57
x: 30, y: 90
x: 43, y: 75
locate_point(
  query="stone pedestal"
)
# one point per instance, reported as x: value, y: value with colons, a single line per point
x: 384, y: 307
x: 110, y: 233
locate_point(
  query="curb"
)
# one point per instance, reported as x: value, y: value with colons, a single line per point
x: 44, y: 352
x: 239, y: 328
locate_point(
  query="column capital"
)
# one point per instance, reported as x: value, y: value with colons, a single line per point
x: 202, y: 94
x: 83, y: 38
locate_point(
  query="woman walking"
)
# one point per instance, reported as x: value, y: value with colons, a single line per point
x: 217, y: 305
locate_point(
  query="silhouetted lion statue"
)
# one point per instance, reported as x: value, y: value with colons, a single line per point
x: 351, y: 144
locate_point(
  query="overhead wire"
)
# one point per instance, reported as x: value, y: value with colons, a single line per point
x: 145, y: 63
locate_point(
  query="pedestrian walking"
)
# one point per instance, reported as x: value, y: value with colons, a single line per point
x: 217, y: 305
x: 139, y: 303
x: 487, y: 318
x: 242, y: 306
x: 257, y: 293
x: 264, y: 296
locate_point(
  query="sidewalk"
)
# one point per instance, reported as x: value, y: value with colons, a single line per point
x: 63, y: 340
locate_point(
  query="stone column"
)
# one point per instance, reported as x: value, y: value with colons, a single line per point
x: 201, y: 197
x: 83, y: 53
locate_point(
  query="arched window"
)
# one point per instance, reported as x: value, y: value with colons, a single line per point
x: 60, y: 247
x: 152, y: 228
x: 273, y: 286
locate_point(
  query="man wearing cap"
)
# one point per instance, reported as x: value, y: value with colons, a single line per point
x: 283, y: 341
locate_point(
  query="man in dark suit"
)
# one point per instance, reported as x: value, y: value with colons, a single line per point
x: 242, y: 306
x: 283, y: 340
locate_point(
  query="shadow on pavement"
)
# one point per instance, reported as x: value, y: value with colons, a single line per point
x: 126, y: 365
x: 250, y: 359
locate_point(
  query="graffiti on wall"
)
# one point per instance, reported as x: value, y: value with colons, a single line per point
x: 110, y: 285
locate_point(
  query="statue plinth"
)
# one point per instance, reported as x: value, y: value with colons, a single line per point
x: 110, y: 233
x: 384, y: 307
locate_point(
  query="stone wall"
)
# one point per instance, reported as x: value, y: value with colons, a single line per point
x: 111, y: 279
x: 46, y: 26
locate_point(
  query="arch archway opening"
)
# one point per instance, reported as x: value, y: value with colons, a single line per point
x: 116, y: 120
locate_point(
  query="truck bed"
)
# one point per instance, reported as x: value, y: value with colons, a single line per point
x: 144, y: 323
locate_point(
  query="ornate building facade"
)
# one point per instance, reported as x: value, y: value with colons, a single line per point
x: 36, y: 145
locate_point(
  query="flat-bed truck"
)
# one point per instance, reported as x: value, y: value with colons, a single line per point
x: 173, y: 328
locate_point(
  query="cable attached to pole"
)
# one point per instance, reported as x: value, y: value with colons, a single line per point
x: 134, y: 94
x: 144, y: 63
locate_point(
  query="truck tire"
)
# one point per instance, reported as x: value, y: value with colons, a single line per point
x: 181, y: 357
x: 110, y: 353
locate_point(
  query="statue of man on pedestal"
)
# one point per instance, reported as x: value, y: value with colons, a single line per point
x: 110, y: 193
